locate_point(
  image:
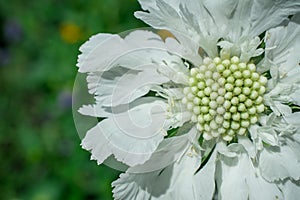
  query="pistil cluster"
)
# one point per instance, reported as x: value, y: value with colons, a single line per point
x: 225, y: 96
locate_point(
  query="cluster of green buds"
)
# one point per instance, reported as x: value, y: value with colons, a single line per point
x: 225, y: 97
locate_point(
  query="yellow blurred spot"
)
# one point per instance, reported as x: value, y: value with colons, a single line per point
x: 164, y: 34
x: 70, y: 32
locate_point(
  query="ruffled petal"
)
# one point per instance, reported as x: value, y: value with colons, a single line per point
x: 173, y: 182
x: 168, y: 151
x: 293, y: 119
x: 183, y: 19
x: 266, y: 14
x: 281, y: 93
x: 96, y: 57
x: 283, y: 44
x: 293, y: 139
x: 267, y: 132
x: 88, y: 47
x: 94, y: 111
x: 187, y: 49
x: 130, y: 136
x: 279, y: 158
x: 291, y: 189
x: 210, y: 20
x: 128, y: 87
x: 178, y: 115
x: 204, y: 179
x: 239, y: 179
x: 278, y: 163
x: 295, y: 97
x: 130, y: 72
x: 248, y: 145
x: 230, y: 16
x: 237, y: 19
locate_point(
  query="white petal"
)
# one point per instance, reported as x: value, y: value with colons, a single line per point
x: 131, y: 86
x: 275, y: 127
x: 257, y: 141
x: 268, y: 135
x: 131, y: 136
x: 204, y: 179
x: 278, y: 163
x: 168, y: 151
x: 224, y: 150
x: 173, y: 182
x: 187, y: 49
x: 259, y: 188
x: 199, y: 25
x: 231, y: 178
x: 293, y: 139
x: 285, y: 92
x: 239, y: 19
x: 294, y: 144
x: 291, y: 190
x: 177, y: 115
x: 249, y: 49
x: 160, y: 14
x: 230, y: 16
x: 293, y: 119
x: 132, y: 72
x: 277, y: 106
x: 94, y: 111
x: 239, y: 179
x: 266, y: 14
x: 88, y: 47
x: 284, y: 45
x: 175, y: 71
x: 184, y: 20
x: 122, y: 86
x: 103, y: 51
x: 248, y: 145
x: 296, y: 97
x: 207, y: 21
x: 97, y: 46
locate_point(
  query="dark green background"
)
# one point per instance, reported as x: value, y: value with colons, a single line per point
x: 40, y: 154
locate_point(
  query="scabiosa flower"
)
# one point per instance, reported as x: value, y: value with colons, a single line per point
x: 212, y: 112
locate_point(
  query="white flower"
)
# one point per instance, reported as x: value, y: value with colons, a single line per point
x: 213, y: 113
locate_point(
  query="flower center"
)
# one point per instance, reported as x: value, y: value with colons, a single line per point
x: 224, y: 97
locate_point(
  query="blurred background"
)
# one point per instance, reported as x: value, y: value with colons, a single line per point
x: 40, y: 153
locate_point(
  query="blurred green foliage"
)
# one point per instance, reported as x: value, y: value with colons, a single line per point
x: 40, y: 153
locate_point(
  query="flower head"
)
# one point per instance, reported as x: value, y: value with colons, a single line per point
x: 224, y: 97
x: 212, y: 111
